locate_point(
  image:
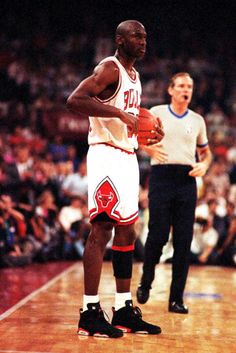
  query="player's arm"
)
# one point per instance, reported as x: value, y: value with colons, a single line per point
x: 82, y: 98
x: 205, y: 158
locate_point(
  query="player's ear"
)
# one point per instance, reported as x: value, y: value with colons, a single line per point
x: 119, y: 40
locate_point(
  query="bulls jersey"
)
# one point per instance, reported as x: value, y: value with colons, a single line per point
x: 127, y: 98
x: 182, y: 134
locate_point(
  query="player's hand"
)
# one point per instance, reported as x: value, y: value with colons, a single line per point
x: 130, y: 120
x: 199, y: 169
x: 159, y: 134
x: 157, y: 152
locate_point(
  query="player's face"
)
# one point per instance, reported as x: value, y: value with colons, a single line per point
x: 182, y: 90
x: 134, y: 42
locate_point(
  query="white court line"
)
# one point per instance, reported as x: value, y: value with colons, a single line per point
x: 33, y: 294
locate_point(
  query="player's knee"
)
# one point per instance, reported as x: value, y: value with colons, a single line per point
x: 125, y: 235
x: 103, y: 226
x: 101, y: 233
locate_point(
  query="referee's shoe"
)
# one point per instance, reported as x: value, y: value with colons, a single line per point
x: 142, y: 294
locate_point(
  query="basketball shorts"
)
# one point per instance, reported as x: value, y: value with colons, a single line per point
x: 113, y: 183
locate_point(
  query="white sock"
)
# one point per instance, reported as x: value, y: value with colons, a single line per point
x: 120, y: 299
x: 88, y: 299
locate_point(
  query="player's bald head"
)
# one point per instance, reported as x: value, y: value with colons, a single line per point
x: 127, y: 26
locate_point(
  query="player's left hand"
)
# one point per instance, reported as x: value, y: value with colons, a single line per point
x: 159, y: 132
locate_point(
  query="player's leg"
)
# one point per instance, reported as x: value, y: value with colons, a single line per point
x: 122, y: 257
x: 92, y: 321
x: 103, y: 199
x: 99, y: 236
x: 125, y: 315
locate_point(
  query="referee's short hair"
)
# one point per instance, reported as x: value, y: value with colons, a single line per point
x: 179, y: 74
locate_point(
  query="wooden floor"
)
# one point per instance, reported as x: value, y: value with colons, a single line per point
x: 46, y: 319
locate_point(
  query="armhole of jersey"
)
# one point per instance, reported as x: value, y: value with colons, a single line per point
x: 117, y: 89
x: 203, y: 145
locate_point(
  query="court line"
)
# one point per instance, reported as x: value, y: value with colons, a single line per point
x: 33, y: 294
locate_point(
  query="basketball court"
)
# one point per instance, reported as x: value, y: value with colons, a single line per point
x: 39, y: 310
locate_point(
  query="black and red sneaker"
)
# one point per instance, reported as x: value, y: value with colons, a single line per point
x: 93, y: 323
x: 129, y: 319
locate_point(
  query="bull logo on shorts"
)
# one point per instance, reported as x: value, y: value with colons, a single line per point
x: 105, y: 199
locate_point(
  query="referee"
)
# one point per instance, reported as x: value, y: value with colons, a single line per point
x: 172, y: 188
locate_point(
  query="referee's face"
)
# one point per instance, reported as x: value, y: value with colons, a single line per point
x: 182, y: 90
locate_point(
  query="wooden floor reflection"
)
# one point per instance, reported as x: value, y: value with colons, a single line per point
x: 46, y: 320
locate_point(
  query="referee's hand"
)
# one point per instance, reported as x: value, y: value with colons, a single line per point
x: 199, y: 169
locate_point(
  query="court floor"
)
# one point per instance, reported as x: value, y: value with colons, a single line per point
x: 39, y: 310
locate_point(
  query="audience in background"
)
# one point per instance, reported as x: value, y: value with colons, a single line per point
x: 14, y: 249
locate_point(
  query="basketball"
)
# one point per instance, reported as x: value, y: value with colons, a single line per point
x: 147, y: 126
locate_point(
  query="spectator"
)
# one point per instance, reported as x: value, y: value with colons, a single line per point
x: 74, y: 221
x: 227, y: 252
x: 218, y: 178
x: 72, y: 156
x: 13, y: 237
x: 47, y: 228
x: 76, y: 183
x: 205, y: 238
x: 57, y: 149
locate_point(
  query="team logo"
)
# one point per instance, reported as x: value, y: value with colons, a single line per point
x: 106, y: 197
x: 189, y: 130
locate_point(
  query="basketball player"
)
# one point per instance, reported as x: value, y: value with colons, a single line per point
x: 111, y: 98
x: 172, y: 188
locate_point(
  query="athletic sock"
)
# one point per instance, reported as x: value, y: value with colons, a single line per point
x: 89, y: 299
x: 120, y: 299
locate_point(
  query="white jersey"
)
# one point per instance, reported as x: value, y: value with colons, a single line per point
x: 182, y: 135
x: 127, y: 98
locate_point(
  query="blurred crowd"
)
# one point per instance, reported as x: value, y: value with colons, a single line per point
x: 43, y: 180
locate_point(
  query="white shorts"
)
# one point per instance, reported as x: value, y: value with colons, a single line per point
x: 113, y: 183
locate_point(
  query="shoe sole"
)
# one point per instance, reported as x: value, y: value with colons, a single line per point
x: 83, y: 332
x: 142, y: 301
x: 129, y: 330
x: 178, y: 312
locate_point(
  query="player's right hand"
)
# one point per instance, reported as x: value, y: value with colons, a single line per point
x: 130, y: 120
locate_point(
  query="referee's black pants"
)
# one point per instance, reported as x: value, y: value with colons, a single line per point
x: 172, y: 202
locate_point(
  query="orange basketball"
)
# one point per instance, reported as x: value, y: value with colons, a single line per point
x: 146, y: 126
